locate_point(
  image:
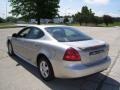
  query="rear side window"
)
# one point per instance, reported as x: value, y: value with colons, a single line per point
x: 23, y: 33
x: 35, y: 33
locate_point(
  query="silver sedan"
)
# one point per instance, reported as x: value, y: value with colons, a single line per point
x: 59, y: 51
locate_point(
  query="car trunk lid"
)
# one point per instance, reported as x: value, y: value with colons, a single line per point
x: 91, y: 50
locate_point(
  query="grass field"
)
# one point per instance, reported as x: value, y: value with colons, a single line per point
x: 115, y: 24
x: 110, y: 25
x: 100, y: 25
x: 7, y: 25
x: 12, y: 25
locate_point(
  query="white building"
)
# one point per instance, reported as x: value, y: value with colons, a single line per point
x: 55, y: 20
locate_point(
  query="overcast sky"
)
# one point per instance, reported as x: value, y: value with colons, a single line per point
x: 69, y: 7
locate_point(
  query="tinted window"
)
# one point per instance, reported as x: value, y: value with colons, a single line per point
x: 23, y: 33
x: 35, y: 33
x: 67, y: 34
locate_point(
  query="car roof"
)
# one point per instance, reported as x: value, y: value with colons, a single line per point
x: 45, y: 26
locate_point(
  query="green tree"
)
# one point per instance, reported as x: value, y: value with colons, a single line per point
x: 107, y: 19
x: 2, y: 20
x: 36, y: 9
x: 85, y: 16
x: 11, y: 19
x: 98, y: 20
x: 66, y: 20
x: 78, y: 18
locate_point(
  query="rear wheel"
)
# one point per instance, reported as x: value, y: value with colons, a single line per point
x: 10, y: 49
x: 45, y: 69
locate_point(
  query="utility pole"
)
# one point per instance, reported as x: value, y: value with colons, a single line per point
x: 6, y: 7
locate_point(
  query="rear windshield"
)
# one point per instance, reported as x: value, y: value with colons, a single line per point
x: 67, y: 34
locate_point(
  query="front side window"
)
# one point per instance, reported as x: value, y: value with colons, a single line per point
x: 67, y: 34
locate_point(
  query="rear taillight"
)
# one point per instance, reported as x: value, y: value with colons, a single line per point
x: 71, y: 55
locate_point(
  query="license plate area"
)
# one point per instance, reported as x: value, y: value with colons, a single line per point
x: 96, y: 52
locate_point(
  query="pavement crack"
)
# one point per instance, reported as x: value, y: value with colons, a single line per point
x: 4, y: 57
x: 99, y: 87
x: 2, y: 50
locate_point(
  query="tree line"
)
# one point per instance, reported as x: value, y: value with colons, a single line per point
x: 48, y: 9
x: 86, y: 16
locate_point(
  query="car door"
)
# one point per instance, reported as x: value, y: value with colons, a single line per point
x: 18, y: 42
x: 31, y: 42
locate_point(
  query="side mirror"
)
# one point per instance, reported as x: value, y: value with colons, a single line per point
x: 14, y: 35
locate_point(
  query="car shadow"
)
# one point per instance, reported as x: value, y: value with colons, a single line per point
x: 92, y: 82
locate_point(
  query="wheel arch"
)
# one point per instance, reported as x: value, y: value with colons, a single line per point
x: 41, y: 55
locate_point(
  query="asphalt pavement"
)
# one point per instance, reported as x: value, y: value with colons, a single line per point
x: 16, y: 74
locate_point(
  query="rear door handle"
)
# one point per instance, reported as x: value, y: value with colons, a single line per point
x: 36, y: 45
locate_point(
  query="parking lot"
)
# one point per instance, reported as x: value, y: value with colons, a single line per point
x: 16, y: 74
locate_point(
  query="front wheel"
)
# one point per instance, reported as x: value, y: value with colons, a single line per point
x: 10, y: 49
x: 45, y: 69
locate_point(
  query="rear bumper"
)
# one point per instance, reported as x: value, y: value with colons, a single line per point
x: 80, y: 70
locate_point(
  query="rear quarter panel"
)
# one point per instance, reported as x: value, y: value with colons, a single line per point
x: 54, y: 51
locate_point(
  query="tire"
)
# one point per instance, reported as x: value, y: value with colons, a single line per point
x: 45, y: 69
x: 10, y: 49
